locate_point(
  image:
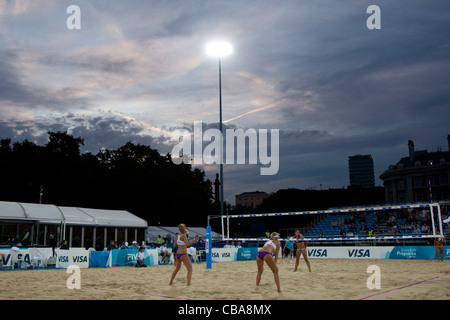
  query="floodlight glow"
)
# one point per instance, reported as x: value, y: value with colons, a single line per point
x: 218, y: 49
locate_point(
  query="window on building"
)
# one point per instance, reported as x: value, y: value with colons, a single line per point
x: 417, y: 182
x: 401, y: 197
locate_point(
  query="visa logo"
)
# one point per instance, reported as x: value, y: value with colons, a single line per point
x: 317, y: 253
x: 359, y: 253
x: 79, y: 258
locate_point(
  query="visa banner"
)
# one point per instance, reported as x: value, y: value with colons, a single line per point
x: 224, y: 254
x: 74, y: 256
x: 28, y: 255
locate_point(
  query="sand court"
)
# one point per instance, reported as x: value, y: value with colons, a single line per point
x: 330, y: 279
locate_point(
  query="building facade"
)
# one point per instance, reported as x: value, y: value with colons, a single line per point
x: 251, y: 199
x: 360, y: 168
x: 422, y: 176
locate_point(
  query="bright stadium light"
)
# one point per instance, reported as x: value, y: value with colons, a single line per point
x: 219, y: 49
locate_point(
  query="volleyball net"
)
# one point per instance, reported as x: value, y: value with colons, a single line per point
x: 368, y: 223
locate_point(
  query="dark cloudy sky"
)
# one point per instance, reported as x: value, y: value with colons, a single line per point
x: 136, y: 70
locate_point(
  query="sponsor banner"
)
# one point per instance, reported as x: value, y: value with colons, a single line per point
x: 417, y: 252
x: 29, y: 255
x: 74, y: 256
x: 387, y: 252
x: 128, y: 257
x: 224, y: 254
x: 347, y: 252
x: 99, y: 259
x: 247, y: 253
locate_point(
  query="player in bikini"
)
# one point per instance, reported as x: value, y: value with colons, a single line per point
x: 265, y: 255
x: 301, y: 250
x: 439, y: 244
x: 182, y: 256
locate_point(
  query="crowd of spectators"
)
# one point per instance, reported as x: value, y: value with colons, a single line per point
x: 379, y: 223
x: 414, y: 221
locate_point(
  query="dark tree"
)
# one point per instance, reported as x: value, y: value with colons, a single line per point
x: 134, y: 177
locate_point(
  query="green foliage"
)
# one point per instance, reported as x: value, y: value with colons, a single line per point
x: 134, y: 177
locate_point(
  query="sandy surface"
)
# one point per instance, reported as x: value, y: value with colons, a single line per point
x: 330, y: 279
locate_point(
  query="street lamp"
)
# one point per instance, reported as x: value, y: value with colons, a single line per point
x: 220, y: 49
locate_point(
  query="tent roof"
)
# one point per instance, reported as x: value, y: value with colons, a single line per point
x: 30, y: 212
x: 11, y: 211
x: 45, y: 213
x: 153, y: 232
x: 76, y: 216
x: 42, y: 212
x: 117, y: 218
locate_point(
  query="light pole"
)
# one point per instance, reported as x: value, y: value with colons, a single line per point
x: 220, y: 49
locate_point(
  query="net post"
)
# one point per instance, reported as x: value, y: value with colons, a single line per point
x: 432, y: 219
x: 228, y: 227
x: 208, y: 247
x: 440, y: 221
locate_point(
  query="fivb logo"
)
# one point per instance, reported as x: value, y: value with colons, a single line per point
x: 258, y: 147
x: 131, y: 257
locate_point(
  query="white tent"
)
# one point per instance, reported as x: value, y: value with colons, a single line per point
x: 44, y: 213
x: 30, y: 212
x: 11, y: 211
x: 75, y: 216
x: 70, y: 220
x: 116, y: 218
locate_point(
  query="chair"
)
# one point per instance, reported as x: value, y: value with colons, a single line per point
x: 36, y: 258
x: 166, y: 259
x: 199, y: 255
x: 193, y: 254
x: 16, y: 257
x: 51, y: 262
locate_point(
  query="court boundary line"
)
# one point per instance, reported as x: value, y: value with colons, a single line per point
x: 125, y: 291
x: 402, y: 287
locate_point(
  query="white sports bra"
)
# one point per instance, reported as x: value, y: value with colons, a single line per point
x: 270, y: 242
x: 179, y: 241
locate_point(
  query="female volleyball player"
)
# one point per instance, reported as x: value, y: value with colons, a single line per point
x: 265, y: 254
x: 301, y: 250
x: 439, y: 244
x: 182, y: 256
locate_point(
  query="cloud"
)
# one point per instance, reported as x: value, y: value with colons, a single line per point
x: 101, y: 129
x: 310, y: 69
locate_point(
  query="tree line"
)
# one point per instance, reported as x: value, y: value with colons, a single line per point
x: 133, y: 177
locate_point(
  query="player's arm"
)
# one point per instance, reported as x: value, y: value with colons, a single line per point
x: 192, y: 242
x: 277, y: 251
